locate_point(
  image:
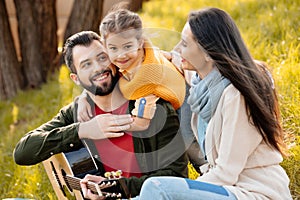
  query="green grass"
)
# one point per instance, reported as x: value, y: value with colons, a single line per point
x: 271, y: 29
x: 19, y: 115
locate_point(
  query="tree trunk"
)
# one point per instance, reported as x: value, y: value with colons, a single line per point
x: 85, y: 15
x: 10, y: 72
x: 32, y: 64
x: 136, y: 5
x: 46, y: 22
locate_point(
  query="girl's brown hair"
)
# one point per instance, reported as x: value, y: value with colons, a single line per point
x: 120, y: 20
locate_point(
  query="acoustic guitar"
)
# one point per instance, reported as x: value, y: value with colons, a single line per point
x: 65, y: 170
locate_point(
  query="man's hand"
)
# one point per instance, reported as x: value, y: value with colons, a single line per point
x: 105, y: 126
x: 90, y: 179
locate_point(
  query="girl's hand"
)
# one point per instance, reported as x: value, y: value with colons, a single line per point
x: 175, y: 58
x: 84, y: 112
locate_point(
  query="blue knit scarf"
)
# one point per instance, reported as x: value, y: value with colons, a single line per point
x: 204, y: 97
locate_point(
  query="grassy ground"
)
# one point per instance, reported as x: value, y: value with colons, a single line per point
x: 271, y: 30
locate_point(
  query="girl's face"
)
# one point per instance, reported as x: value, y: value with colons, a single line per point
x: 123, y: 48
x: 193, y: 55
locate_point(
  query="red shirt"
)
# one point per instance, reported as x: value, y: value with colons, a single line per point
x: 118, y: 153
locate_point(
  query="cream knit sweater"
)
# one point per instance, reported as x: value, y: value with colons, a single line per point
x: 238, y: 157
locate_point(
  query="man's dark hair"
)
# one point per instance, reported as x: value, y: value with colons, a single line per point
x: 84, y: 38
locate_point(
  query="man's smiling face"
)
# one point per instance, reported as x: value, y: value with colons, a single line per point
x: 94, y: 70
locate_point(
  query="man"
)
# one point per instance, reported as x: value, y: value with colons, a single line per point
x: 158, y: 151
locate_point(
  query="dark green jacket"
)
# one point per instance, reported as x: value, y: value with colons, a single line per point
x: 159, y: 150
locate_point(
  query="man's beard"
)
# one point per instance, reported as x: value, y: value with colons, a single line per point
x: 105, y: 89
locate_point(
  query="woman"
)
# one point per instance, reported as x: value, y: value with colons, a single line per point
x: 236, y: 117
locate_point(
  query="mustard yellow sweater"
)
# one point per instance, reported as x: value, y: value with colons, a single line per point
x: 156, y: 76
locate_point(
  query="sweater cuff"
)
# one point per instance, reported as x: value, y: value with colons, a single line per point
x: 145, y: 107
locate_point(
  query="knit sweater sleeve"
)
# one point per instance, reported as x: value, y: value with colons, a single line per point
x: 234, y: 144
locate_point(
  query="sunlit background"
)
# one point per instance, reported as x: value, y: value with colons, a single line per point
x: 271, y: 29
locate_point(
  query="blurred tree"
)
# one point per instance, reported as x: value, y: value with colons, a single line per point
x: 136, y: 5
x: 37, y: 28
x: 46, y: 22
x: 85, y: 15
x: 34, y: 22
x: 10, y: 71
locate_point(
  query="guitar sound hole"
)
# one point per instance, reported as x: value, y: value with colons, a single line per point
x: 67, y: 182
x: 57, y: 178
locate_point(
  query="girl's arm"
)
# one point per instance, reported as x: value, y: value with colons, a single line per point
x: 84, y: 112
x: 143, y: 112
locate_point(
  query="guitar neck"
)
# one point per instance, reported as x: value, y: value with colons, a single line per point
x: 74, y: 183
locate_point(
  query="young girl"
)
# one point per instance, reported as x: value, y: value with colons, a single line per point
x: 146, y: 74
x: 235, y: 111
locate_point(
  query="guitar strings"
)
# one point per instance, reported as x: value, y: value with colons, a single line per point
x: 74, y: 183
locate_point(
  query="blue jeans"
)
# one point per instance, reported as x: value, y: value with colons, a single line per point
x: 174, y: 188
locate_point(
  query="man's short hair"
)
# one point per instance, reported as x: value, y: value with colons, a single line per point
x: 84, y: 38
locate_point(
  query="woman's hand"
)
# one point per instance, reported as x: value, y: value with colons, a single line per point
x: 91, y: 179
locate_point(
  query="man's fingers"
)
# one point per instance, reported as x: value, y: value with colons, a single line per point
x: 121, y: 121
x: 114, y: 135
x: 93, y: 178
x: 83, y: 117
x: 115, y: 120
x: 83, y: 186
x: 86, y: 117
x: 118, y: 120
x: 89, y: 112
x: 120, y: 128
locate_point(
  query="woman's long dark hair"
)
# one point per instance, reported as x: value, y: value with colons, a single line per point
x: 217, y: 33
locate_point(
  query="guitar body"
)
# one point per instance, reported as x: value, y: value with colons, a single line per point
x: 77, y: 164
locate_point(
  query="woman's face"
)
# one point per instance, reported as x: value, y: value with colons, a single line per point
x: 193, y: 55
